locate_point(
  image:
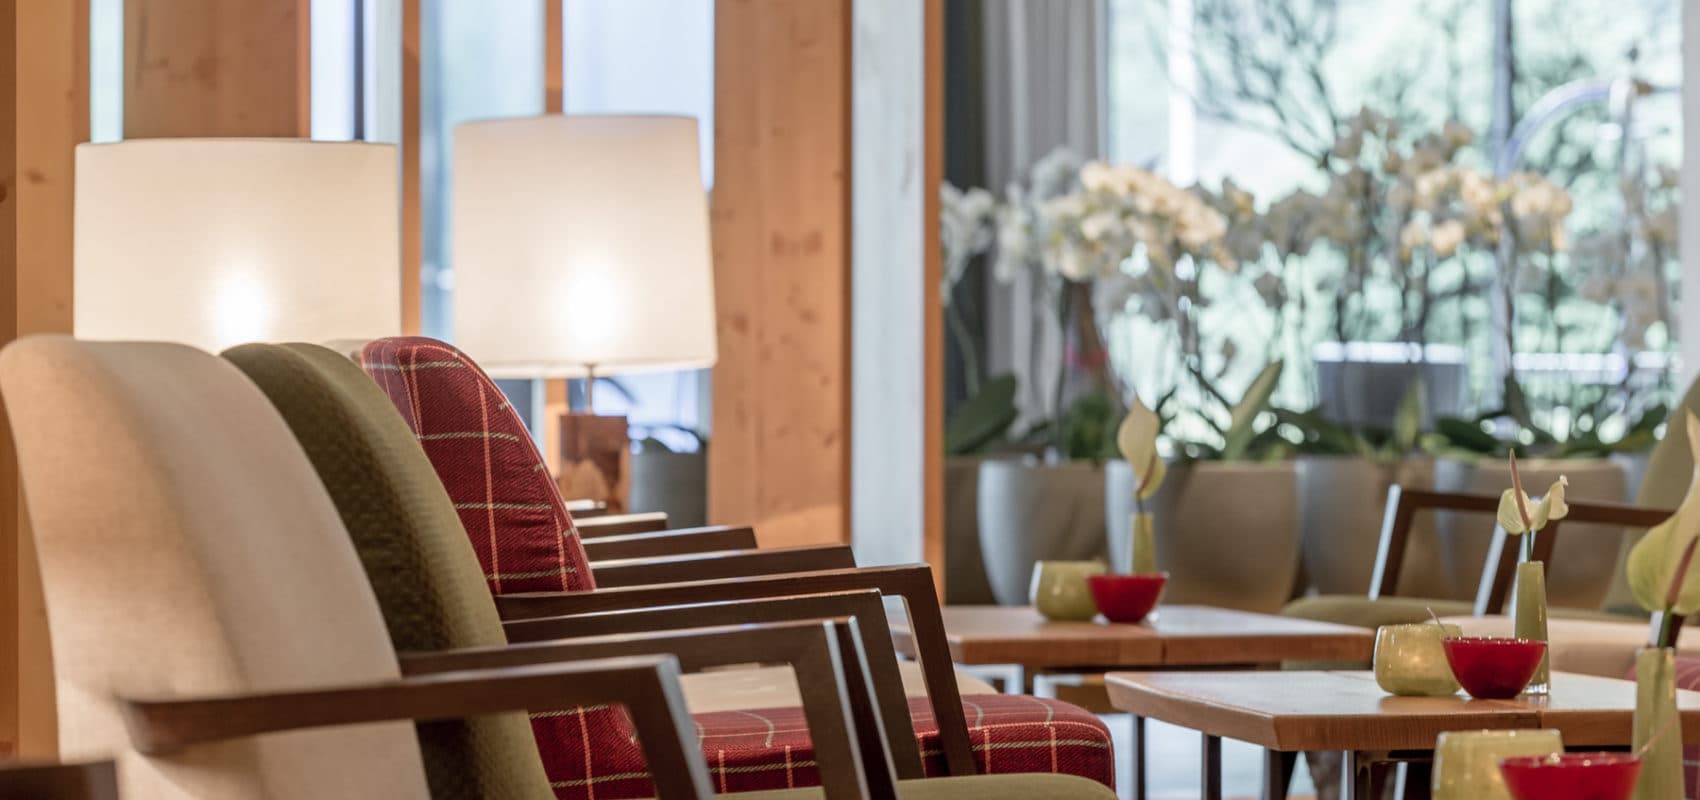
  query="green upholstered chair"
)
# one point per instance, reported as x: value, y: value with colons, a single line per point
x: 1579, y: 630
x: 424, y: 570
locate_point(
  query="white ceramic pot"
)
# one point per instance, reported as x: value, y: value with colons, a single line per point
x: 1587, y: 556
x: 1342, y: 501
x: 1031, y: 512
x: 1227, y: 533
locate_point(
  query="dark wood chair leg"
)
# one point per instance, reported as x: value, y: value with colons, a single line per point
x: 1277, y: 773
x: 1212, y: 767
x: 1138, y: 747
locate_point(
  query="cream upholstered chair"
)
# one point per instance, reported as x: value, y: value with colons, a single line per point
x: 202, y: 591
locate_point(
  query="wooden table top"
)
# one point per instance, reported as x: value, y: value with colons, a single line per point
x: 1292, y: 711
x: 1181, y: 636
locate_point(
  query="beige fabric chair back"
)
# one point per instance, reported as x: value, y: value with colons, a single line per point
x: 188, y: 548
x: 1663, y: 485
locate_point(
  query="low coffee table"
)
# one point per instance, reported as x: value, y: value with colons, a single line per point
x: 1180, y: 637
x: 1292, y: 712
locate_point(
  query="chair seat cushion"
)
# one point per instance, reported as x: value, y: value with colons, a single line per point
x: 1366, y: 613
x: 1586, y: 646
x: 973, y: 787
x: 773, y: 687
x: 769, y: 748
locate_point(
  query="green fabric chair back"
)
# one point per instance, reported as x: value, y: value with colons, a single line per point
x: 410, y: 541
x: 1669, y: 469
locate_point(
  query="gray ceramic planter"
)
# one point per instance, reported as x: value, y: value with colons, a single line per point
x: 1342, y: 500
x: 1030, y: 512
x: 964, y: 567
x: 1587, y: 558
x: 676, y: 483
x: 1227, y: 533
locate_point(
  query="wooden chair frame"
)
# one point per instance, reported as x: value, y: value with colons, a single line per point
x: 1500, y: 566
x: 626, y: 669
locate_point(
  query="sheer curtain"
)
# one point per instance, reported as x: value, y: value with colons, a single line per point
x: 1044, y: 87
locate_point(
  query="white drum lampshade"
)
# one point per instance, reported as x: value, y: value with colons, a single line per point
x: 580, y: 243
x: 217, y: 242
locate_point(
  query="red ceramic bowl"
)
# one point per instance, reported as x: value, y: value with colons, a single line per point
x: 1573, y: 776
x: 1127, y: 598
x: 1492, y: 668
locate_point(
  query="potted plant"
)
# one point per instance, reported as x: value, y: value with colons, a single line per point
x: 1074, y: 229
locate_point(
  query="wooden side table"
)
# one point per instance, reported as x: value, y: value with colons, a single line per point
x: 1180, y: 637
x: 1294, y: 712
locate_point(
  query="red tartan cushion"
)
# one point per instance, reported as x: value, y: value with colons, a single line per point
x: 486, y: 458
x: 1687, y: 677
x: 769, y: 748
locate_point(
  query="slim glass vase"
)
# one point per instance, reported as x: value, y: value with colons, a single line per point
x: 1655, y: 702
x: 1144, y: 545
x: 1529, y: 615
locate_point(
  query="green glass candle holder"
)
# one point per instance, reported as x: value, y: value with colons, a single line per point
x: 1529, y: 619
x: 1060, y: 592
x: 1655, y: 702
x: 1466, y: 763
x: 1410, y: 660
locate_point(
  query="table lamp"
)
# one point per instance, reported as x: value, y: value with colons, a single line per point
x: 581, y: 249
x: 217, y: 242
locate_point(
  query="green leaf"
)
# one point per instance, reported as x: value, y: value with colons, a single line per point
x: 1251, y: 404
x: 1466, y: 435
x: 1408, y: 420
x: 983, y: 418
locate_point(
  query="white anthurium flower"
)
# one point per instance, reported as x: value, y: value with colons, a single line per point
x: 1520, y: 514
x: 1136, y: 438
x: 1653, y: 562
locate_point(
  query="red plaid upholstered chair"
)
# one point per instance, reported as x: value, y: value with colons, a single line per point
x: 202, y: 590
x: 534, y: 564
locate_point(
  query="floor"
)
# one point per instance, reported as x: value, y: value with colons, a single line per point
x: 1175, y: 756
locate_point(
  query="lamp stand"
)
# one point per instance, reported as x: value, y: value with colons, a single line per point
x: 595, y: 455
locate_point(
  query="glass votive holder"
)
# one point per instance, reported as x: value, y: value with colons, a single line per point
x: 1466, y: 763
x: 1410, y: 660
x: 1059, y: 590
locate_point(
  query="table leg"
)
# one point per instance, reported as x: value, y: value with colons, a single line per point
x: 1356, y: 776
x: 1277, y: 773
x: 1212, y: 767
x: 1139, y: 781
x: 1418, y: 774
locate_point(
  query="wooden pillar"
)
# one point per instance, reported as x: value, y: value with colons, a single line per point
x: 780, y: 456
x: 932, y: 323
x: 412, y: 225
x: 44, y: 114
x: 216, y: 68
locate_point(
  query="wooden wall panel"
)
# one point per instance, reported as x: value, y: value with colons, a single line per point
x: 44, y: 113
x: 215, y: 68
x: 412, y: 210
x: 779, y: 458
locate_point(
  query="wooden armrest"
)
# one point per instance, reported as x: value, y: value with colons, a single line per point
x: 678, y: 541
x: 95, y: 780
x: 647, y: 686
x: 585, y: 508
x: 865, y: 607
x: 1403, y: 505
x: 733, y: 564
x: 913, y: 583
x: 617, y: 524
x: 810, y: 647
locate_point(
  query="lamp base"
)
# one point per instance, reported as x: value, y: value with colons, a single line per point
x: 595, y: 460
